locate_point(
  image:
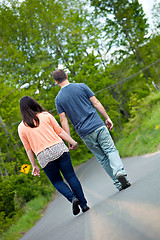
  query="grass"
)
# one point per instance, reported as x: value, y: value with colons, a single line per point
x: 142, y: 134
x: 83, y: 158
x: 33, y: 212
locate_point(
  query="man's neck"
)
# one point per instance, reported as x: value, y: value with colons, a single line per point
x: 64, y: 83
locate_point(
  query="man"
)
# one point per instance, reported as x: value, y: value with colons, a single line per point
x: 78, y: 102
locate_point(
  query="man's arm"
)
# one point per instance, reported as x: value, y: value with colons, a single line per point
x: 65, y: 125
x: 64, y: 122
x: 96, y: 103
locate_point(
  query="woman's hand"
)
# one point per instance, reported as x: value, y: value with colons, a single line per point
x: 66, y: 137
x: 36, y: 171
x: 73, y: 146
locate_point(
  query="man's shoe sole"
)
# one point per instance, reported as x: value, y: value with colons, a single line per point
x: 75, y: 206
x: 122, y: 179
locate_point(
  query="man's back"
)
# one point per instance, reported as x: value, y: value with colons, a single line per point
x: 73, y: 99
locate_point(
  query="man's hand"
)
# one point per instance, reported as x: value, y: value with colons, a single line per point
x: 36, y: 171
x: 73, y: 146
x: 109, y: 123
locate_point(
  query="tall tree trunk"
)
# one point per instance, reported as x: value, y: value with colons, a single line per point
x: 4, y: 127
x: 3, y: 163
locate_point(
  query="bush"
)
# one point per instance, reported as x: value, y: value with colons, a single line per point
x: 16, y: 191
x: 7, y: 209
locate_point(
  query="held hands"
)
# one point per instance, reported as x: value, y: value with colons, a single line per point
x: 109, y: 124
x: 73, y: 146
x: 36, y: 171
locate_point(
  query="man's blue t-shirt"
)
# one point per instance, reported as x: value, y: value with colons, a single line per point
x: 73, y: 99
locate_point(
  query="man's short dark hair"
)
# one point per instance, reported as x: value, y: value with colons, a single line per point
x: 59, y: 75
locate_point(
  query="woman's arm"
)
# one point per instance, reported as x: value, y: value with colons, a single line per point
x: 72, y: 144
x: 36, y: 170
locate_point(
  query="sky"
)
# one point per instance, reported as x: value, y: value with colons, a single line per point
x: 147, y: 7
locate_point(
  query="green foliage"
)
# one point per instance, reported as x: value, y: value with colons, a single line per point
x: 33, y: 210
x: 16, y: 191
x: 134, y: 104
x: 126, y: 26
x: 141, y: 134
x: 125, y: 21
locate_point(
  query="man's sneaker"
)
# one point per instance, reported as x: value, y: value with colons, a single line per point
x: 75, y: 206
x: 120, y: 188
x: 123, y: 180
x: 85, y: 209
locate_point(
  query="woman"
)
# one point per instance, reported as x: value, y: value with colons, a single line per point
x: 41, y: 135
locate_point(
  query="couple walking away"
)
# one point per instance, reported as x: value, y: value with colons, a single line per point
x: 41, y: 135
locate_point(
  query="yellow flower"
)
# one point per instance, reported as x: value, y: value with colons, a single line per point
x: 157, y: 127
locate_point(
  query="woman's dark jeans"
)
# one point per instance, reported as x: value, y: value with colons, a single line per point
x: 64, y: 165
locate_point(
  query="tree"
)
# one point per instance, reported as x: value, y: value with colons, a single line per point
x: 126, y: 26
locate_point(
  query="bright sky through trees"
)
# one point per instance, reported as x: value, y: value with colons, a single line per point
x: 147, y: 7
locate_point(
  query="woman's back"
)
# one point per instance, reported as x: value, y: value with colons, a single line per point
x: 42, y: 136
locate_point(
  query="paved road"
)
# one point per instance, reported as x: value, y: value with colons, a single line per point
x: 132, y: 214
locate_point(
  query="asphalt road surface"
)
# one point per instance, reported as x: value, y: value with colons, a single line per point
x: 132, y: 214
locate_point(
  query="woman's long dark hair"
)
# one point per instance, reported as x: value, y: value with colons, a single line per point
x: 29, y: 109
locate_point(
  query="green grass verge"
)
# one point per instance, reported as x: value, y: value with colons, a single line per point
x: 33, y: 211
x: 142, y: 134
